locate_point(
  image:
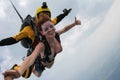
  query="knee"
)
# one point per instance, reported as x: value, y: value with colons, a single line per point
x: 38, y: 75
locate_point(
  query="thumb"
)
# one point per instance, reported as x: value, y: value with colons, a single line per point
x: 75, y: 19
x: 77, y: 22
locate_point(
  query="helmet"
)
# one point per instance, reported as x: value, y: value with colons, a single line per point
x: 43, y: 8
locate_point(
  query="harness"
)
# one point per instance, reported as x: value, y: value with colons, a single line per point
x: 47, y: 51
x: 27, y: 43
x: 28, y: 21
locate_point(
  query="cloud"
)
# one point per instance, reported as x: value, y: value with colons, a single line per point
x: 2, y: 9
x: 94, y: 8
x: 101, y: 46
x: 5, y: 58
x: 93, y: 58
x: 23, y: 3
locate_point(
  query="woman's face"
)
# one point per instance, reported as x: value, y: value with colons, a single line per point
x: 48, y: 29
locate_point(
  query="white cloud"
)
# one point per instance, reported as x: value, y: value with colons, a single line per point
x: 5, y: 58
x: 95, y: 53
x: 23, y: 2
x: 2, y: 9
x: 101, y: 45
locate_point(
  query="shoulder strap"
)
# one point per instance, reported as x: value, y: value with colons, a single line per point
x: 47, y: 51
x: 29, y: 21
x: 57, y: 37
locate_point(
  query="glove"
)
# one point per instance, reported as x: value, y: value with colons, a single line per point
x: 61, y: 16
x: 8, y: 41
x: 67, y: 11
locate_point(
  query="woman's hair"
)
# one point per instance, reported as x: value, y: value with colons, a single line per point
x: 40, y: 22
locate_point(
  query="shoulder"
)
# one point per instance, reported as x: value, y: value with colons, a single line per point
x: 27, y: 28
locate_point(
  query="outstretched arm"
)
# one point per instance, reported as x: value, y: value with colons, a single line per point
x: 66, y: 28
x: 7, y: 41
x: 26, y: 32
x: 61, y: 16
x: 26, y: 63
x: 30, y: 59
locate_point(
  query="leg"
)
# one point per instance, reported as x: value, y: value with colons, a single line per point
x: 28, y: 72
x: 38, y: 68
x: 15, y: 67
x: 36, y: 73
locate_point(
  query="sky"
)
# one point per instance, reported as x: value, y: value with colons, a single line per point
x: 91, y: 51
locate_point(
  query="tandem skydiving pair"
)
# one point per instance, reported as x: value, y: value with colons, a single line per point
x: 29, y: 37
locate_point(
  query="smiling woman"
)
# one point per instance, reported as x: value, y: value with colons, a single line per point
x: 81, y: 59
x: 46, y: 49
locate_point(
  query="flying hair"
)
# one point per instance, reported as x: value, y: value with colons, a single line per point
x: 40, y: 22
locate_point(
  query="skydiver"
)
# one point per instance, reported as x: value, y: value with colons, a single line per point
x: 46, y: 49
x: 27, y: 33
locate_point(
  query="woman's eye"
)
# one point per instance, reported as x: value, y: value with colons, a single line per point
x: 46, y: 29
x: 51, y: 26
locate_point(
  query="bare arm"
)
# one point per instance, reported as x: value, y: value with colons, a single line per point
x: 66, y: 28
x: 30, y: 59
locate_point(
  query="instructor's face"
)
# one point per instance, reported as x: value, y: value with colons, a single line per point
x: 43, y: 16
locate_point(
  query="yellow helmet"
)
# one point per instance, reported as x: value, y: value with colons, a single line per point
x: 43, y: 8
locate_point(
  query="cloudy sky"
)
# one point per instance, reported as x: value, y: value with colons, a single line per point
x: 90, y: 51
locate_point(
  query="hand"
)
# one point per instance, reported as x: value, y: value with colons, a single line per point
x: 8, y: 78
x: 67, y: 11
x: 11, y: 74
x: 77, y: 22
